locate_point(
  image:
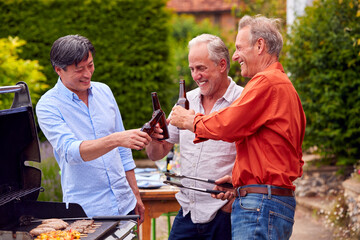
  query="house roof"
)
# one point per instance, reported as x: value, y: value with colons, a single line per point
x: 191, y: 6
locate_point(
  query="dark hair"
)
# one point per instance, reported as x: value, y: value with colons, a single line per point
x: 70, y: 49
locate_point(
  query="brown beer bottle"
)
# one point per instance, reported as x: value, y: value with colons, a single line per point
x: 182, y: 101
x: 162, y: 121
x: 149, y: 127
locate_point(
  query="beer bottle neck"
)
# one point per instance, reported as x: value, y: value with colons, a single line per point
x: 182, y: 92
x: 155, y: 101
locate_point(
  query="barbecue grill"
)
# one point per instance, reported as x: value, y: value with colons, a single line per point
x: 20, y: 184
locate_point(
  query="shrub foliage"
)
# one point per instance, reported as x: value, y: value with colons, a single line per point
x: 130, y: 38
x: 324, y: 61
x: 14, y: 69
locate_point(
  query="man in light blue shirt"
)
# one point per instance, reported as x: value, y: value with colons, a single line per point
x: 82, y: 121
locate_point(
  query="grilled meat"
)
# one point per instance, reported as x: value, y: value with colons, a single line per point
x: 37, y: 231
x: 81, y: 225
x: 49, y: 225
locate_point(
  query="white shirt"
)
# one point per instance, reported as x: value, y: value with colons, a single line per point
x: 210, y: 159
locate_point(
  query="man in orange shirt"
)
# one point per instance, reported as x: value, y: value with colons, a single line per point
x: 267, y: 124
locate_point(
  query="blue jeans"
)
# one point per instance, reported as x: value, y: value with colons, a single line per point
x: 219, y: 228
x: 262, y: 216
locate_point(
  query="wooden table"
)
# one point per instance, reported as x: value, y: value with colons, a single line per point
x: 157, y: 202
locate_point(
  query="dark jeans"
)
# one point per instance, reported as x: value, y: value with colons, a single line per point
x: 219, y: 228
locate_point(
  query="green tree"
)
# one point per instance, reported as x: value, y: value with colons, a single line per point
x: 130, y: 38
x: 14, y: 69
x: 324, y: 62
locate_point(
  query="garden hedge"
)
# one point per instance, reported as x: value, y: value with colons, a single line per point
x: 324, y: 62
x: 130, y: 38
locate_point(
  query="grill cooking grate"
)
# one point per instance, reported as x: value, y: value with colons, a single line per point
x: 16, y: 195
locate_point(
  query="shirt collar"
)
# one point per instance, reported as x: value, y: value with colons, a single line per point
x: 229, y: 91
x: 226, y: 96
x: 67, y: 92
x: 275, y: 65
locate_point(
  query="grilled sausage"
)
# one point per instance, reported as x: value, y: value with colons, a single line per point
x: 37, y: 231
x: 50, y: 220
x: 55, y: 223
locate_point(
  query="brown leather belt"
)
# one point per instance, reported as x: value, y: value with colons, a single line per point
x: 264, y: 190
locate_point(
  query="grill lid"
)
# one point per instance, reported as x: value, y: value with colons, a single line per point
x: 18, y: 144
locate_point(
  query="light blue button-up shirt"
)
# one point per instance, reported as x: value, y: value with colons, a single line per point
x: 100, y: 185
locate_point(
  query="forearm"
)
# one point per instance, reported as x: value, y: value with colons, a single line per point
x: 139, y: 208
x: 189, y: 123
x: 134, y: 139
x: 157, y: 150
x: 92, y: 149
x: 130, y: 176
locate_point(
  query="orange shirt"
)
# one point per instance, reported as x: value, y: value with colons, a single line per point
x: 267, y: 123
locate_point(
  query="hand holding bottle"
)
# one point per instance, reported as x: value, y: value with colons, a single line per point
x: 182, y: 118
x: 162, y: 120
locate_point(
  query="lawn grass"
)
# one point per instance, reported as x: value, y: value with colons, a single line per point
x: 50, y: 181
x: 50, y: 175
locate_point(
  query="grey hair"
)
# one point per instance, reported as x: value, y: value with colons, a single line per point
x: 216, y: 48
x: 266, y: 28
x: 70, y: 49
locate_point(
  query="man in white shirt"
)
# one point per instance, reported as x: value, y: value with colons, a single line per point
x: 201, y: 216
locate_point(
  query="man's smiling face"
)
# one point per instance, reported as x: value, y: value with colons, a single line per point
x: 204, y: 71
x: 78, y: 78
x: 245, y: 54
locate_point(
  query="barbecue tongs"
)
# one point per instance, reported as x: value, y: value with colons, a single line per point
x: 177, y: 184
x: 225, y: 185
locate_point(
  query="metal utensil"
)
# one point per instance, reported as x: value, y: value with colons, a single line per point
x: 193, y: 188
x: 226, y: 185
x: 26, y: 220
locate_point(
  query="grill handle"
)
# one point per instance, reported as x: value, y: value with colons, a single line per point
x: 11, y: 89
x: 117, y: 218
x: 27, y: 219
x: 22, y: 94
